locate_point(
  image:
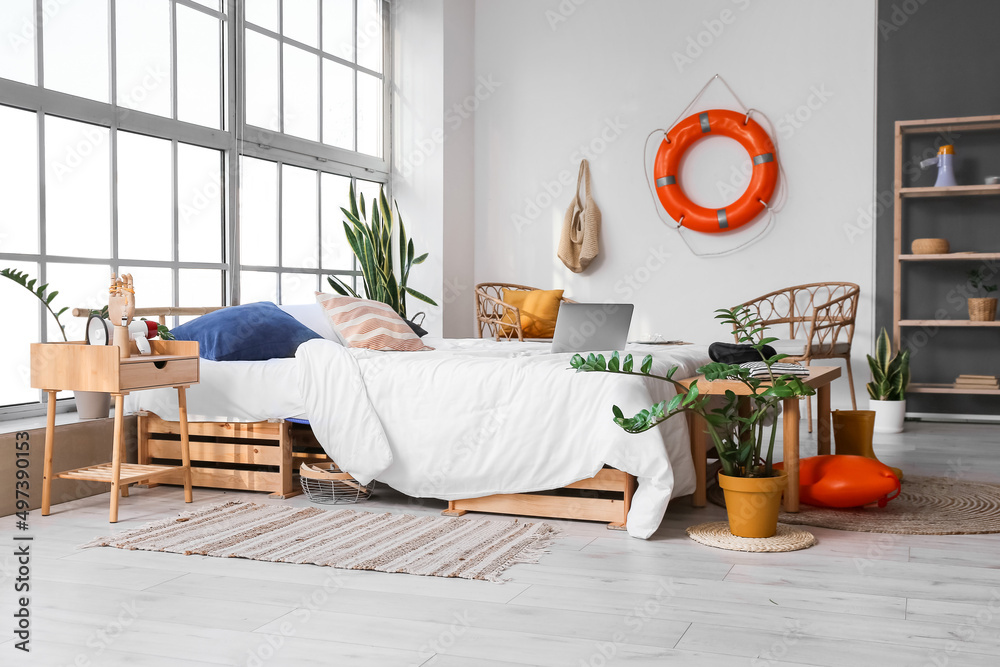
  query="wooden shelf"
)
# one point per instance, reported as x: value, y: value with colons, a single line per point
x: 948, y: 323
x: 946, y: 388
x: 130, y: 473
x: 950, y: 191
x: 944, y: 127
x: 933, y: 125
x: 952, y: 257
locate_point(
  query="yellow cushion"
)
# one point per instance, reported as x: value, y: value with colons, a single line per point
x: 539, y: 309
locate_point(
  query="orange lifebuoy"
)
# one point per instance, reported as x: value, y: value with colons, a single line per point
x: 840, y: 480
x: 763, y: 180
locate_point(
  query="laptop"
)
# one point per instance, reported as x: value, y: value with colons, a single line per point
x: 592, y: 327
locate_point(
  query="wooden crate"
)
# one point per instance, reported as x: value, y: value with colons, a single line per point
x: 604, y: 497
x: 257, y: 456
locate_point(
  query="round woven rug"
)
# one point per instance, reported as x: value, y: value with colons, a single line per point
x: 925, y: 506
x: 716, y: 534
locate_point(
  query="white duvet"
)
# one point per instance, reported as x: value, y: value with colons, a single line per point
x: 475, y: 418
x: 472, y: 418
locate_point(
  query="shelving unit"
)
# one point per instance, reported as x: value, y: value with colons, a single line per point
x: 934, y: 126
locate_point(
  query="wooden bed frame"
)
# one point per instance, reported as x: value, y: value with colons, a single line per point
x: 579, y: 500
x: 265, y: 456
x: 257, y: 456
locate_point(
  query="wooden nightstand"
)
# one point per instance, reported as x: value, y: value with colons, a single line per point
x: 76, y: 366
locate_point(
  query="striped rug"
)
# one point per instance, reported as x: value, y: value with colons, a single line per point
x: 349, y: 539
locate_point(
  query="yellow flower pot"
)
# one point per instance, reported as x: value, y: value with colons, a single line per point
x: 753, y: 503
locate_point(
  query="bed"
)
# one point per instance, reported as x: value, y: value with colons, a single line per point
x: 471, y: 419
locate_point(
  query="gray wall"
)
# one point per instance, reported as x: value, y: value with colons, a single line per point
x: 940, y: 59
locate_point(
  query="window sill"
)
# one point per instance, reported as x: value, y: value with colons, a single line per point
x: 38, y: 422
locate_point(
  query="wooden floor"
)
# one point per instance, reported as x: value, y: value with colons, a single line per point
x: 599, y: 598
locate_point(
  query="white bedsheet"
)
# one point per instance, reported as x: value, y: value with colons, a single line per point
x: 232, y: 391
x: 473, y: 418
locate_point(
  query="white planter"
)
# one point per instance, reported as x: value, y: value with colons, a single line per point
x: 889, y: 415
x: 93, y: 404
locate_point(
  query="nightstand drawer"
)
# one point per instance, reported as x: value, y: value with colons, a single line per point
x: 137, y: 375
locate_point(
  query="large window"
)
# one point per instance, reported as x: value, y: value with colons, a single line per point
x: 204, y: 146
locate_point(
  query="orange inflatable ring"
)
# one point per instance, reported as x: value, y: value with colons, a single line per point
x: 763, y: 180
x: 845, y: 481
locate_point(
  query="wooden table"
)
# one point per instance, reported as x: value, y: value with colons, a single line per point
x: 80, y: 367
x: 819, y: 379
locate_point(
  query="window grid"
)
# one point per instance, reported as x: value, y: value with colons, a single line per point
x: 265, y: 138
x: 231, y: 142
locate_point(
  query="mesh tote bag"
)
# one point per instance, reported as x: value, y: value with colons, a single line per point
x: 582, y: 226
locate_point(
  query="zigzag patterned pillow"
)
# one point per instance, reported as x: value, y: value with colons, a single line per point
x: 369, y: 324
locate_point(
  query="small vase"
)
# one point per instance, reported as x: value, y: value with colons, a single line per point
x: 889, y: 415
x: 92, y: 404
x: 753, y: 503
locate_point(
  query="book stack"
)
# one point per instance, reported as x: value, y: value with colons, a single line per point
x: 977, y: 382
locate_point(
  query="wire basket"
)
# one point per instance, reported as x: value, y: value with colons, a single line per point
x: 328, y: 484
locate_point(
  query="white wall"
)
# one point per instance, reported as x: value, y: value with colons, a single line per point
x: 595, y: 77
x: 433, y: 148
x: 458, y: 137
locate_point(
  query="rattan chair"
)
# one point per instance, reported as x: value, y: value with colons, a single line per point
x: 490, y: 310
x: 820, y: 319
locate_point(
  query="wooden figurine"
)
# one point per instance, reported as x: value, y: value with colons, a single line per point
x: 121, y: 308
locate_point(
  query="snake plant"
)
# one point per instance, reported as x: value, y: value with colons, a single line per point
x: 371, y: 241
x: 738, y: 427
x: 890, y: 373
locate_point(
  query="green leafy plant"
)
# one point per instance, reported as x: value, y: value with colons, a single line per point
x: 27, y: 282
x: 890, y: 372
x: 371, y: 241
x: 978, y: 282
x: 739, y: 434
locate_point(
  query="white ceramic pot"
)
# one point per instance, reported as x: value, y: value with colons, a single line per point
x: 92, y: 404
x: 889, y: 415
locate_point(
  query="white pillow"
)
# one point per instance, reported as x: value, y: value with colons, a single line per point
x: 314, y: 316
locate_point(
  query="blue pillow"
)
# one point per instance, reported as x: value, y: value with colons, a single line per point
x: 252, y: 332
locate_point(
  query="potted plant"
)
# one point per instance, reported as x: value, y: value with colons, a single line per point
x: 984, y: 307
x: 887, y: 390
x: 372, y: 244
x: 743, y: 428
x: 89, y: 404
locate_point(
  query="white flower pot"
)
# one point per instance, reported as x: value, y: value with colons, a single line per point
x: 93, y: 404
x: 889, y: 415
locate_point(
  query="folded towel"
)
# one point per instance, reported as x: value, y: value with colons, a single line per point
x: 758, y: 369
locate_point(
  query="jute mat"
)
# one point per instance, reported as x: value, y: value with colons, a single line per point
x: 349, y: 539
x: 716, y: 534
x: 925, y: 506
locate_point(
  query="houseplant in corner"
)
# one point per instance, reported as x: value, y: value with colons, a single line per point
x: 371, y: 241
x: 887, y: 390
x: 89, y: 404
x: 742, y: 428
x: 984, y: 307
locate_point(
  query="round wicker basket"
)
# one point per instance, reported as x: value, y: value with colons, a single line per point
x: 983, y: 310
x: 329, y: 484
x: 930, y: 247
